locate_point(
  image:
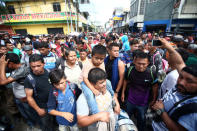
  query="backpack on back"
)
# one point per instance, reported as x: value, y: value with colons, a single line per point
x: 164, y: 62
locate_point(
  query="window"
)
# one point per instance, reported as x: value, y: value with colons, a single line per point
x: 142, y: 7
x: 151, y: 1
x: 21, y: 31
x: 56, y: 7
x: 11, y: 9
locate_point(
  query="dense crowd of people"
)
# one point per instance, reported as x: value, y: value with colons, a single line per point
x: 99, y: 81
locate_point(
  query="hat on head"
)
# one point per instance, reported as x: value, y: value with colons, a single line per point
x: 192, y: 46
x: 27, y: 47
x: 178, y: 38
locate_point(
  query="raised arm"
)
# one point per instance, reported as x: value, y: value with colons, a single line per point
x: 174, y: 56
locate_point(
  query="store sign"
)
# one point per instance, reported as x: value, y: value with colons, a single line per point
x: 117, y: 17
x: 54, y: 16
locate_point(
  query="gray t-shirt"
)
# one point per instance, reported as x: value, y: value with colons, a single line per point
x: 18, y: 85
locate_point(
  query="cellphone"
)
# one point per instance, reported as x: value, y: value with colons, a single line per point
x: 157, y: 43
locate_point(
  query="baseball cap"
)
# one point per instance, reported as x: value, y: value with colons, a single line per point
x: 27, y: 47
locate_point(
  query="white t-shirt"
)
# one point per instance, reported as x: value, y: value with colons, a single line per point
x: 168, y: 83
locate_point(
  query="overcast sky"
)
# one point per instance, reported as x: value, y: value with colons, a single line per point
x: 104, y: 8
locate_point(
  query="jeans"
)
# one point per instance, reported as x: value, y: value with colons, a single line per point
x: 90, y: 96
x: 141, y: 110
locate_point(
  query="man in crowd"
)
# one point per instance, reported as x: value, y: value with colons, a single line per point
x: 49, y: 57
x: 97, y: 78
x: 178, y: 108
x: 37, y: 89
x: 11, y: 49
x: 127, y: 57
x: 28, y: 51
x: 114, y: 68
x: 17, y: 77
x: 140, y: 80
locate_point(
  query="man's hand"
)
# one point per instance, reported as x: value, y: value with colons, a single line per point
x: 165, y: 43
x: 116, y: 94
x: 41, y: 112
x: 152, y: 103
x: 158, y: 105
x: 117, y: 109
x: 3, y: 62
x: 68, y: 116
x: 104, y: 116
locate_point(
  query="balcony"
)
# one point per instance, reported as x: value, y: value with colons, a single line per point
x: 40, y: 18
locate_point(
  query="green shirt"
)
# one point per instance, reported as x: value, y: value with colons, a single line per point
x: 192, y: 59
x: 16, y: 51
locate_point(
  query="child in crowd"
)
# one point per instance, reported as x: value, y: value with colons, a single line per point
x: 83, y: 57
x: 97, y: 61
x: 62, y: 101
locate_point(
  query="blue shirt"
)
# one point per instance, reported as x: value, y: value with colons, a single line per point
x: 127, y: 57
x: 63, y: 103
x: 188, y: 121
x: 50, y: 61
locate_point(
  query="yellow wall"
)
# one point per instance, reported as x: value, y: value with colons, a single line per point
x: 38, y: 29
x: 38, y: 6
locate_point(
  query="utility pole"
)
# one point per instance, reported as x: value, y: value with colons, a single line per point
x: 67, y: 17
x: 71, y: 26
x: 77, y: 13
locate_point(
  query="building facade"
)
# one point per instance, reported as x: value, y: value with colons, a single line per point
x: 170, y: 15
x: 42, y: 16
x: 136, y: 15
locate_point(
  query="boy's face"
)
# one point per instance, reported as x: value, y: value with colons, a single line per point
x: 101, y: 86
x: 98, y: 59
x: 44, y: 51
x: 61, y: 85
x: 83, y: 55
x: 134, y: 47
x: 114, y: 52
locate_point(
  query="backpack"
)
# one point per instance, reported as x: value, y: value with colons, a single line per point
x: 62, y: 63
x: 74, y: 88
x: 164, y: 62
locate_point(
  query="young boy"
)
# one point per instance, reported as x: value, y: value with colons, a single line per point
x: 97, y: 61
x: 62, y: 101
x: 83, y: 57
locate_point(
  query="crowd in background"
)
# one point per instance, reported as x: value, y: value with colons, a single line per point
x: 98, y: 77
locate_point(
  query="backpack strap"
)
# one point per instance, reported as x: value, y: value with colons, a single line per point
x: 33, y: 83
x: 151, y: 72
x: 184, y: 110
x: 75, y: 89
x: 80, y: 64
x: 62, y: 64
x: 129, y: 71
